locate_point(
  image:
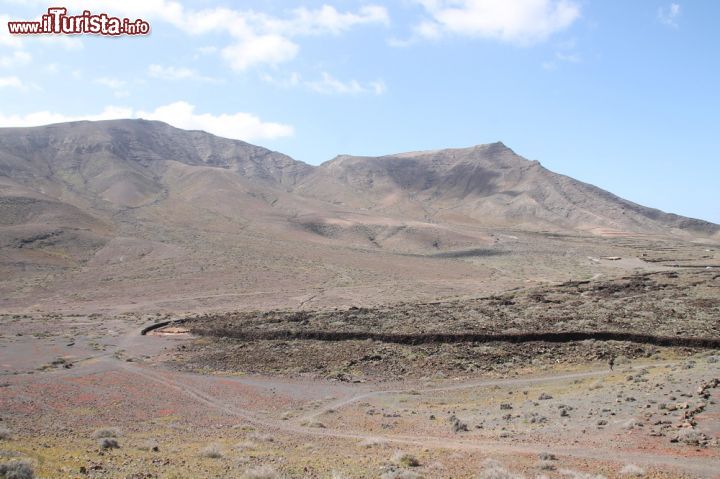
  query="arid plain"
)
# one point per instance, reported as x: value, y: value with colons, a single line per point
x: 440, y: 314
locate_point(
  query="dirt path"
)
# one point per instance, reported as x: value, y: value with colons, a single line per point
x: 705, y: 468
x: 525, y: 381
x: 196, y: 387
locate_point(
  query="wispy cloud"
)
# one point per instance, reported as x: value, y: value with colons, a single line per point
x: 242, y: 126
x: 327, y: 84
x: 292, y: 80
x: 522, y: 22
x: 113, y: 83
x: 15, y: 59
x: 259, y: 49
x: 256, y: 38
x: 118, y: 87
x: 19, y: 42
x: 669, y: 15
x: 330, y: 85
x: 172, y: 73
x: 12, y: 82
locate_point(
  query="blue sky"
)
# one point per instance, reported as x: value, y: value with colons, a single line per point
x: 620, y: 94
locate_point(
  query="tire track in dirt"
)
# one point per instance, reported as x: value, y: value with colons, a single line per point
x: 705, y: 469
x: 481, y: 383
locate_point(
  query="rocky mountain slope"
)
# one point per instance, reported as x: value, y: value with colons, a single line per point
x: 146, y: 206
x: 490, y: 185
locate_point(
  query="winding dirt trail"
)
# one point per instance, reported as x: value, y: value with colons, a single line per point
x: 181, y: 382
x: 688, y: 465
x: 197, y: 387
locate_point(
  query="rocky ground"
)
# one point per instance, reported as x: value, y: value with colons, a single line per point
x: 673, y: 304
x: 86, y: 395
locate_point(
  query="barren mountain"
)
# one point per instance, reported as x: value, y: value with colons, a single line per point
x: 130, y: 211
x: 490, y: 185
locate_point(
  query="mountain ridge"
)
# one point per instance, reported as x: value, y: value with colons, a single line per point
x: 119, y: 162
x: 132, y: 214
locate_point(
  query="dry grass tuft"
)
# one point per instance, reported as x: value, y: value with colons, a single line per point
x: 404, y: 459
x: 109, y: 443
x: 212, y: 451
x: 262, y: 472
x: 400, y: 475
x: 106, y: 432
x: 579, y: 475
x: 368, y: 443
x: 495, y: 470
x: 17, y: 470
x: 632, y: 470
x: 256, y: 436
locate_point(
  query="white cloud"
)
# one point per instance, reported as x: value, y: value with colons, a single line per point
x: 241, y: 126
x: 570, y: 57
x: 206, y: 50
x: 327, y: 84
x: 325, y: 19
x: 12, y: 82
x: 565, y: 53
x: 18, y: 42
x: 164, y: 72
x: 520, y: 22
x: 258, y: 38
x: 47, y: 117
x: 117, y: 86
x: 5, y: 37
x: 292, y: 80
x: 15, y: 59
x: 113, y: 83
x: 669, y: 15
x: 64, y: 41
x: 263, y: 49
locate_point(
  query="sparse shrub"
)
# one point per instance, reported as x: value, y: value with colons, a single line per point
x: 495, y: 470
x: 632, y: 424
x: 262, y: 472
x: 544, y: 397
x: 632, y: 470
x: 372, y: 442
x: 17, y: 470
x: 256, y: 436
x: 106, y: 432
x: 241, y: 446
x: 109, y: 443
x: 212, y: 451
x: 5, y: 434
x: 400, y: 474
x: 691, y: 437
x: 622, y: 360
x: 579, y: 475
x: 535, y: 418
x: 458, y: 425
x: 405, y: 460
x: 547, y: 456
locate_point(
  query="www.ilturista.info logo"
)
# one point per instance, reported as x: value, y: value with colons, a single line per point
x: 57, y: 21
